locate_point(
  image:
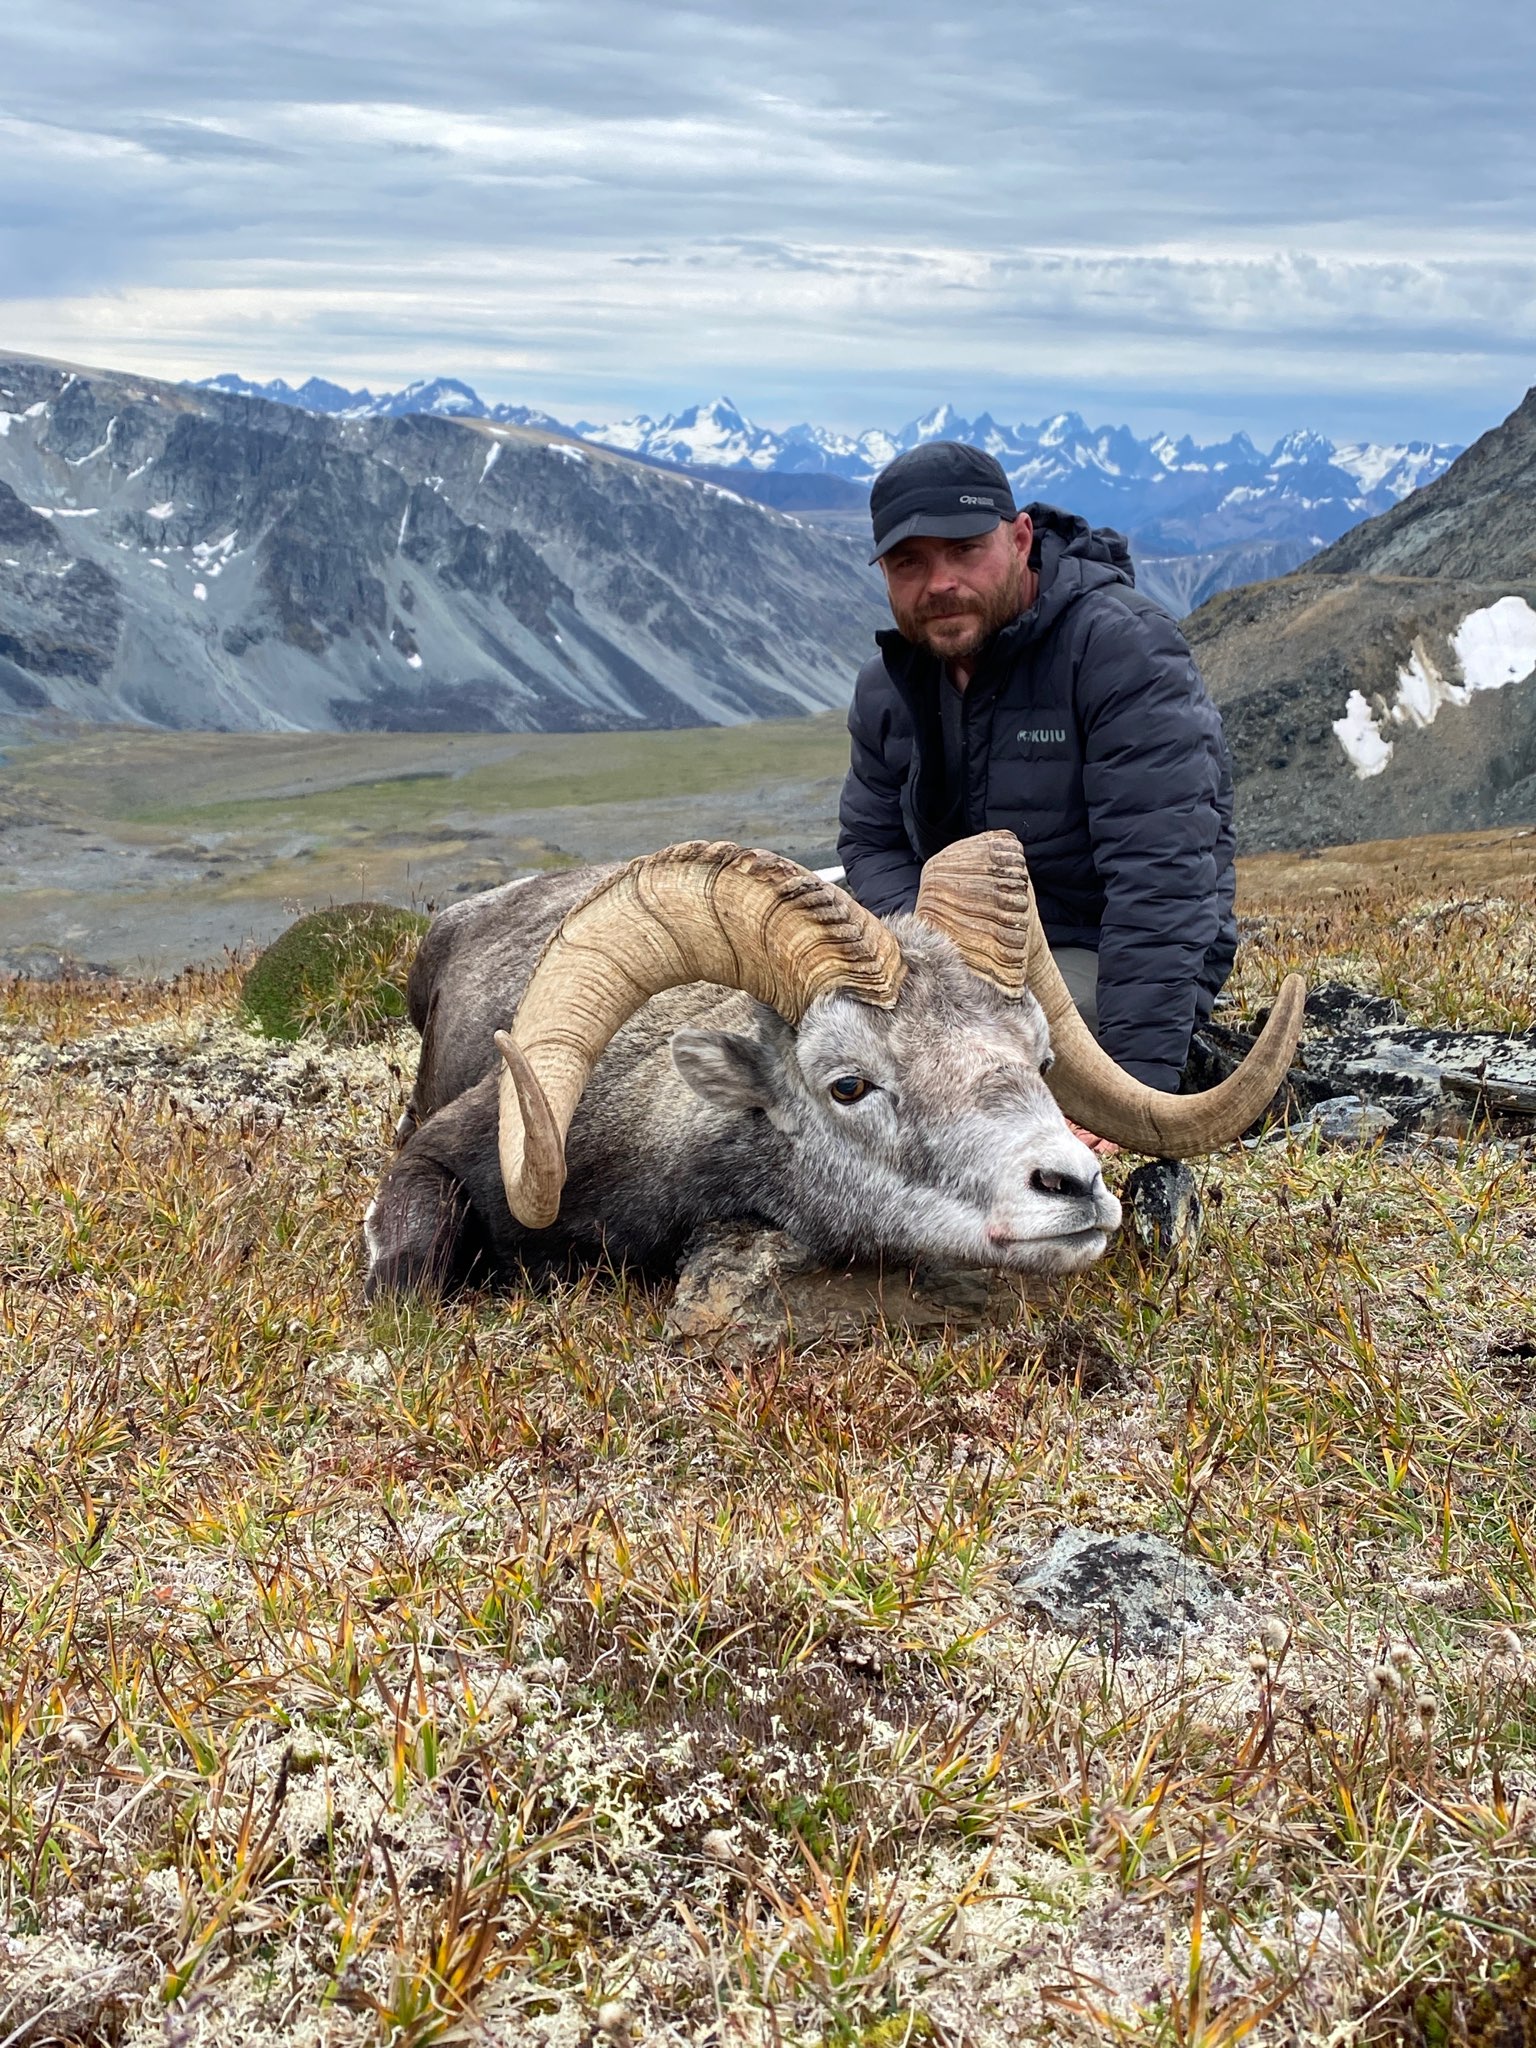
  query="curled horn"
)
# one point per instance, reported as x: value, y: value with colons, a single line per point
x: 701, y: 911
x: 977, y: 892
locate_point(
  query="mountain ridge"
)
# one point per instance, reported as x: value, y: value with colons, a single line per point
x: 1388, y: 686
x: 1173, y: 498
x: 194, y: 558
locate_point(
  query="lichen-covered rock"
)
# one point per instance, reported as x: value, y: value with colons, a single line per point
x: 1346, y: 1120
x: 743, y: 1290
x: 1359, y: 1049
x: 339, y: 972
x: 1162, y: 1207
x: 1134, y: 1593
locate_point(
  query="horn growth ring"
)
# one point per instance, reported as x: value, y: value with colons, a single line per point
x: 701, y: 911
x: 977, y: 892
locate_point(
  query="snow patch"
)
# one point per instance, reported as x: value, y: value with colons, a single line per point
x: 1361, y: 737
x: 413, y: 661
x: 200, y: 592
x: 566, y: 454
x: 76, y: 461
x: 208, y: 552
x: 161, y: 511
x: 492, y: 453
x: 74, y: 511
x: 1497, y: 645
x: 1421, y: 690
x: 1494, y: 647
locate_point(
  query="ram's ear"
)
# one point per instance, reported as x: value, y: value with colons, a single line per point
x: 725, y: 1067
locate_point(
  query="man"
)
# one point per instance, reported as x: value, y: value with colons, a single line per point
x: 1030, y: 686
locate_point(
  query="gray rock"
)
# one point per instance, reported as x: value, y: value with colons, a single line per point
x: 1346, y: 1120
x: 1358, y: 1048
x: 1137, y: 1593
x: 1162, y: 1208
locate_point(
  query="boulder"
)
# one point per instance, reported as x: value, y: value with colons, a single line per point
x: 1135, y: 1593
x: 1346, y: 1120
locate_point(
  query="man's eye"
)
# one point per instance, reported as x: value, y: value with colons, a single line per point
x: 848, y: 1088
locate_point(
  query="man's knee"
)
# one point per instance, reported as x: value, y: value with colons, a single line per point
x: 1079, y: 966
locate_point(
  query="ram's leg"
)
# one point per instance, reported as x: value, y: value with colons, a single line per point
x: 421, y: 1231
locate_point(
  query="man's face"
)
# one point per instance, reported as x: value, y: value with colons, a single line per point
x: 951, y: 596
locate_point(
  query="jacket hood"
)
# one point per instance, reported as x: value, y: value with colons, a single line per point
x: 1071, y: 558
x: 1065, y: 536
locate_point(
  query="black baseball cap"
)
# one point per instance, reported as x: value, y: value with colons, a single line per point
x: 944, y: 488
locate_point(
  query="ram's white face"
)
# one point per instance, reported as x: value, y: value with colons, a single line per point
x: 922, y: 1132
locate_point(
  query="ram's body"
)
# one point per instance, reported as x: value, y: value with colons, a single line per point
x: 734, y: 1120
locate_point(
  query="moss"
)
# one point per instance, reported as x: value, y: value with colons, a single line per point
x: 339, y: 972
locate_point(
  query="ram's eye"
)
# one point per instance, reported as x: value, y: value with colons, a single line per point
x: 1046, y: 1064
x: 848, y: 1088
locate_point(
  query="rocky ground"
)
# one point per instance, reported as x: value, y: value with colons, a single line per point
x: 1151, y: 1660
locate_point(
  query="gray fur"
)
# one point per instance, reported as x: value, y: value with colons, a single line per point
x: 707, y: 1107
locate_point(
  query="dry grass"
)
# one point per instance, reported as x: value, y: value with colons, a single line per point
x: 503, y: 1673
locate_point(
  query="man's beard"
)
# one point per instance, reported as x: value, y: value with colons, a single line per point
x: 957, y: 628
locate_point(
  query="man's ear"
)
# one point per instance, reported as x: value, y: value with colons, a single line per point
x: 1024, y: 536
x: 725, y: 1067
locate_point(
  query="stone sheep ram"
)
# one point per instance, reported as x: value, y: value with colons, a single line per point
x: 711, y: 1034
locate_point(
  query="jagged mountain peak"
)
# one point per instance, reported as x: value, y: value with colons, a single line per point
x: 1061, y: 427
x: 1301, y: 445
x: 1173, y: 495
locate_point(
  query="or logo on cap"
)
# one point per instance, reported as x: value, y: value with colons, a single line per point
x: 978, y: 501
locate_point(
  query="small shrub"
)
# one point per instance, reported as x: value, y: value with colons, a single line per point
x: 339, y: 972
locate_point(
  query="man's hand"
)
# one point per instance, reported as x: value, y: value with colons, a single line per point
x: 1103, y: 1146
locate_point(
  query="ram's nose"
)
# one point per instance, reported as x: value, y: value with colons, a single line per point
x: 1074, y: 1187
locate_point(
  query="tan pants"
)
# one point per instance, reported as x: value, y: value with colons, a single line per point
x: 1080, y: 971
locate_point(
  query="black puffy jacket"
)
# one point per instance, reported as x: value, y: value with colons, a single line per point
x: 1087, y: 731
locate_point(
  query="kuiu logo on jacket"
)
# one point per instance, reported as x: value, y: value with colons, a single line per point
x: 1043, y: 736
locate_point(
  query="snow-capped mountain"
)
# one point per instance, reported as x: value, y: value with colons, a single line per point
x: 1390, y: 686
x: 1176, y: 498
x: 1172, y: 496
x: 443, y: 397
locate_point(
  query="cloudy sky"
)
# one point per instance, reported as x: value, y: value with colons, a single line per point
x: 1199, y: 215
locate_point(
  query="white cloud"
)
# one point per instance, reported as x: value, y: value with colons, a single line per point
x: 809, y: 204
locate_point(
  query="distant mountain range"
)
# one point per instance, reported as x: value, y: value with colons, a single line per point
x: 188, y: 557
x: 191, y: 558
x: 1200, y: 517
